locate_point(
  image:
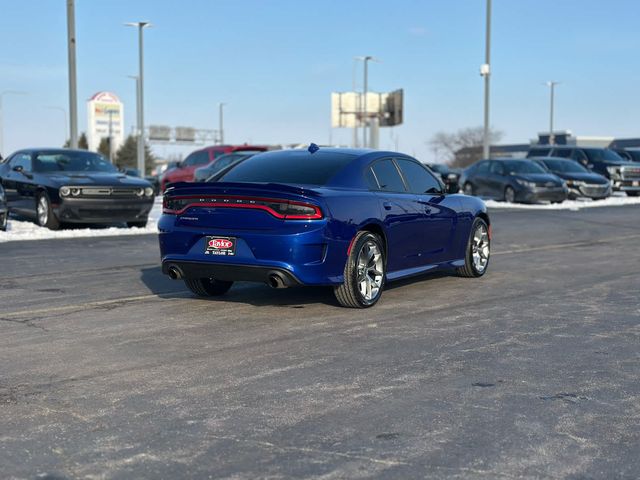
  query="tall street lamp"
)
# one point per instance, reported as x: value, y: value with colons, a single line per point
x: 552, y: 85
x: 64, y: 116
x: 485, y: 71
x: 73, y: 90
x: 2, y: 94
x: 363, y: 104
x: 221, y: 122
x: 137, y: 79
x: 141, y: 26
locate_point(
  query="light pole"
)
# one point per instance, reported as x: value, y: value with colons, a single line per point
x: 354, y: 141
x: 73, y: 91
x: 363, y: 103
x: 64, y: 114
x: 137, y: 79
x: 220, y: 121
x: 552, y: 85
x: 140, y: 26
x: 2, y: 94
x: 485, y: 71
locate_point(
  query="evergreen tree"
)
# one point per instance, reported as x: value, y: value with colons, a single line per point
x: 127, y: 155
x: 103, y: 148
x: 83, y: 144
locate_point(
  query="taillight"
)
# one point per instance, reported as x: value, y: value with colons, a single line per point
x: 284, y: 209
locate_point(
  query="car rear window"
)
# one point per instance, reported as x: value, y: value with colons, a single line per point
x: 290, y: 166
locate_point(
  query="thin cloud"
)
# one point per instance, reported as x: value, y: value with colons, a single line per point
x: 417, y: 31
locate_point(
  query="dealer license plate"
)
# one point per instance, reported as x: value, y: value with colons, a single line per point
x: 225, y: 246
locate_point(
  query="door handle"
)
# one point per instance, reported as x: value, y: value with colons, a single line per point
x: 387, y: 205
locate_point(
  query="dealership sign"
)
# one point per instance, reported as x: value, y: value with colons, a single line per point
x: 105, y: 117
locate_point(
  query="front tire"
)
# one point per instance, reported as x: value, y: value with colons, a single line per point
x: 468, y: 189
x: 633, y: 194
x: 207, y: 287
x: 3, y: 221
x: 44, y: 212
x: 476, y: 259
x: 364, y: 273
x: 509, y: 195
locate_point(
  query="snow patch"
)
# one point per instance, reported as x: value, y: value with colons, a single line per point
x: 618, y: 199
x: 20, y: 230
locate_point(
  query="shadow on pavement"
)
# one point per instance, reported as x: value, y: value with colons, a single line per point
x: 258, y: 295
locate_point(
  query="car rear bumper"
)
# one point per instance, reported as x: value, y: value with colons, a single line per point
x: 82, y: 210
x: 304, y: 252
x: 271, y: 275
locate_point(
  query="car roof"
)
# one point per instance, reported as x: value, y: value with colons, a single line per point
x: 560, y: 159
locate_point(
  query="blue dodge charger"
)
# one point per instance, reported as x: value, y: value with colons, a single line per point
x: 352, y: 219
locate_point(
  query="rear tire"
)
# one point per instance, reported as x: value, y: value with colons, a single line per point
x: 476, y: 258
x: 44, y: 213
x: 3, y: 222
x: 207, y: 287
x: 364, y: 273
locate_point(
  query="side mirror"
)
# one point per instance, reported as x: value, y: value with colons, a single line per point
x: 18, y: 168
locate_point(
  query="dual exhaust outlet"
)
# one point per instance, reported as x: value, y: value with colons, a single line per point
x: 275, y: 279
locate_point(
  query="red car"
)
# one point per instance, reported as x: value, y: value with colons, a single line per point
x: 185, y: 170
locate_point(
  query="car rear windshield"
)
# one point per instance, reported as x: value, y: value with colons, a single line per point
x: 522, y: 166
x: 71, y: 161
x: 566, y: 166
x: 597, y: 155
x: 296, y: 167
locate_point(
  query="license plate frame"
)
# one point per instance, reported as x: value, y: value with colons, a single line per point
x: 219, y: 245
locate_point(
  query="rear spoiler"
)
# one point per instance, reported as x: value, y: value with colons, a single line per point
x: 188, y: 188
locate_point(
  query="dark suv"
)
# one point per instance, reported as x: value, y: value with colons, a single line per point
x: 624, y: 175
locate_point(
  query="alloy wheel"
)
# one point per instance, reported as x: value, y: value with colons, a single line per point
x: 509, y: 195
x: 480, y: 248
x: 370, y: 270
x: 43, y: 210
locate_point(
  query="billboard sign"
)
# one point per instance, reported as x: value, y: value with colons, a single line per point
x: 159, y: 133
x: 185, y: 134
x: 105, y: 113
x: 347, y: 108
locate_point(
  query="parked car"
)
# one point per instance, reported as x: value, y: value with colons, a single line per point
x: 347, y: 218
x: 580, y: 181
x: 4, y: 211
x: 203, y: 173
x: 629, y: 154
x: 448, y: 176
x: 513, y: 180
x: 55, y: 186
x: 185, y: 170
x: 624, y: 175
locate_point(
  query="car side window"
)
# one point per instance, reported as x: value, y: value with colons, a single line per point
x: 388, y: 176
x: 22, y: 160
x: 197, y: 158
x: 482, y: 168
x: 370, y: 178
x: 580, y: 156
x: 496, y: 168
x: 562, y: 153
x: 418, y: 177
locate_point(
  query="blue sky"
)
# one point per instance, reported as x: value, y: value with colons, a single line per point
x: 276, y: 62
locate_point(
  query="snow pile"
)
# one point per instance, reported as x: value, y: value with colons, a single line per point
x: 19, y: 230
x: 616, y: 200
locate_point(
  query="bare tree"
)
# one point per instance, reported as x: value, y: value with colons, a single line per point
x: 462, y: 148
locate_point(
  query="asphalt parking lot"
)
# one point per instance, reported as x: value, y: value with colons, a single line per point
x: 110, y: 370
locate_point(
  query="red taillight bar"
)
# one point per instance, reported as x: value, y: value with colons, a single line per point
x: 183, y: 203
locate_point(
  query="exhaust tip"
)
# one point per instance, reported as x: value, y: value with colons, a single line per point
x: 174, y: 273
x: 276, y: 280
